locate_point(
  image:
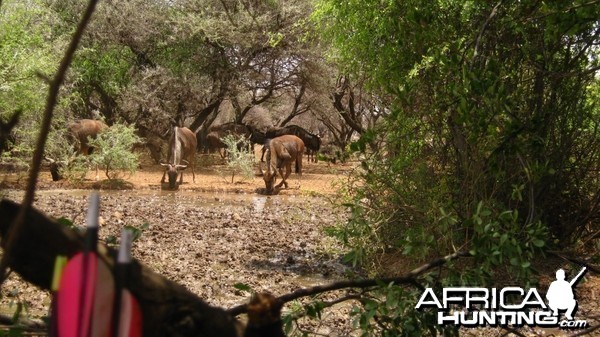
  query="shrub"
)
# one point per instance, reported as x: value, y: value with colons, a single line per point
x: 238, y: 159
x: 113, y: 150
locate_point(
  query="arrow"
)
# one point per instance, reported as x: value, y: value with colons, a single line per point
x: 59, y: 265
x: 86, y: 290
x: 127, y: 317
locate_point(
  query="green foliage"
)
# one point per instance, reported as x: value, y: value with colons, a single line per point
x: 474, y: 117
x: 394, y: 308
x: 61, y: 150
x: 76, y: 168
x: 299, y: 312
x: 243, y: 287
x: 493, y: 138
x: 502, y: 245
x: 359, y: 234
x: 113, y: 150
x: 19, y: 307
x: 28, y: 48
x: 239, y: 160
x: 68, y: 223
x: 137, y: 231
x: 12, y: 332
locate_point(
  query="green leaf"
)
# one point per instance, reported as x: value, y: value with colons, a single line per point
x: 243, y: 287
x: 17, y: 314
x: 287, y: 324
x: 486, y: 212
x: 65, y: 222
x: 538, y: 243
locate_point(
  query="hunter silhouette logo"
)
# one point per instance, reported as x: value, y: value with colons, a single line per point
x: 508, y: 306
x: 560, y: 294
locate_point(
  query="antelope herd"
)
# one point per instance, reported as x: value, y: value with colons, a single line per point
x: 282, y: 146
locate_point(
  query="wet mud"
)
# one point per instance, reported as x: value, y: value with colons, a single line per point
x: 208, y: 242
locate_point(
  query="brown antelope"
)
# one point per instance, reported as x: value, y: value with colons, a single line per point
x: 311, y: 141
x: 182, y: 148
x: 217, y: 132
x: 214, y: 142
x: 82, y: 131
x: 282, y: 151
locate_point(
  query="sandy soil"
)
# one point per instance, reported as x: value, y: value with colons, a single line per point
x: 212, y: 175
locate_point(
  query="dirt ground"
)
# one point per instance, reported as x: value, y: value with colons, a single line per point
x: 213, y: 175
x: 212, y: 233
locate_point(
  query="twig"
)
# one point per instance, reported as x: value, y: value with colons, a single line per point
x: 329, y: 304
x: 483, y: 28
x: 23, y: 323
x: 511, y: 331
x: 408, y: 278
x: 575, y: 260
x: 36, y: 161
x: 587, y: 332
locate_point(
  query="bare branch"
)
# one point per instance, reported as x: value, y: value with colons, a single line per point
x: 563, y: 255
x: 409, y: 278
x: 36, y: 161
x: 483, y: 28
x: 167, y: 307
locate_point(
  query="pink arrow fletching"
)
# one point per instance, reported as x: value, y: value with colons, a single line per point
x: 131, y: 317
x: 74, y: 312
x: 86, y: 290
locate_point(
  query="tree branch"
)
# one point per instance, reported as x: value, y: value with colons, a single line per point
x: 168, y: 308
x: 483, y: 28
x: 337, y: 96
x: 36, y: 162
x: 409, y: 278
x: 577, y: 261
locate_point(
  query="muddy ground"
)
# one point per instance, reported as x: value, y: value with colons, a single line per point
x: 212, y: 234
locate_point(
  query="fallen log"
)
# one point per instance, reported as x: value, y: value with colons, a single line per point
x: 168, y: 308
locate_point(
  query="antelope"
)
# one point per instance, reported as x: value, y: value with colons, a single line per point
x: 182, y: 148
x: 282, y: 151
x: 217, y: 132
x: 82, y: 131
x: 311, y: 141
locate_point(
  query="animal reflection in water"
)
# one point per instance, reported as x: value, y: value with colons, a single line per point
x: 282, y: 151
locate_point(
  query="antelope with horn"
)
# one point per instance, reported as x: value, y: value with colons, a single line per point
x: 182, y: 148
